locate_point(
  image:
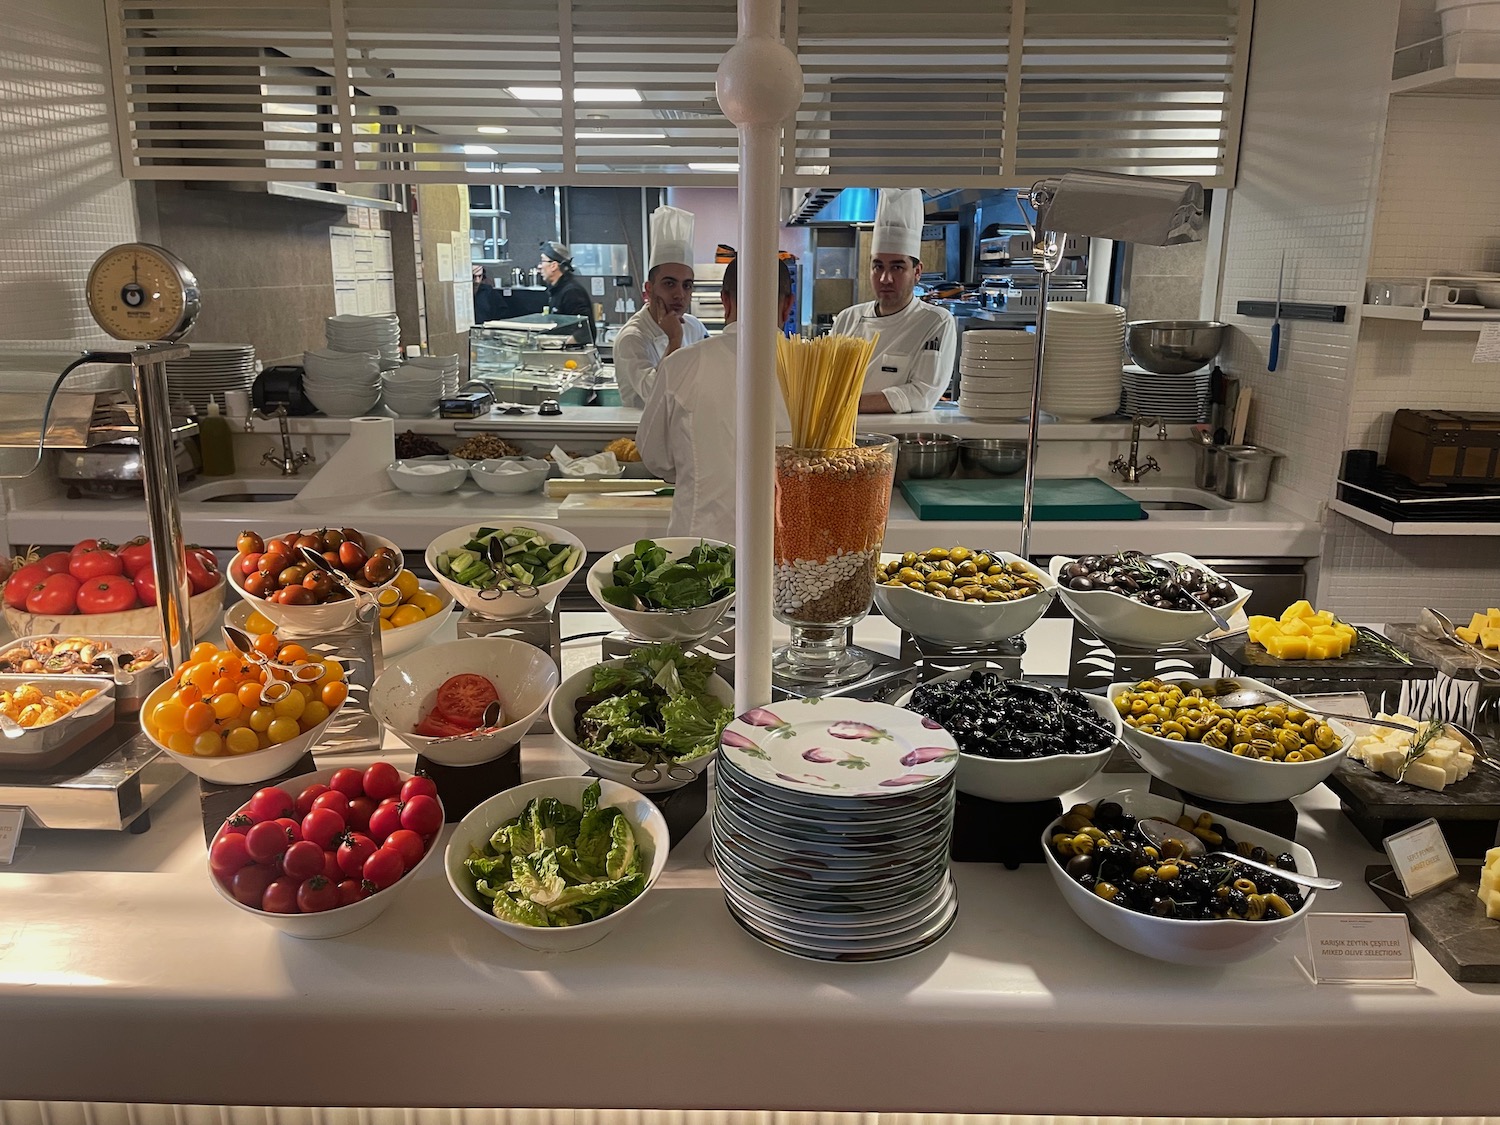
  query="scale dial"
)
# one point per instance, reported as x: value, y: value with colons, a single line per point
x: 141, y: 292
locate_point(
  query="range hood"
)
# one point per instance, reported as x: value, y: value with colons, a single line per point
x: 857, y: 205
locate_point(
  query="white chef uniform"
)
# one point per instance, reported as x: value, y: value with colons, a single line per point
x: 641, y: 344
x: 913, y: 361
x: 687, y: 434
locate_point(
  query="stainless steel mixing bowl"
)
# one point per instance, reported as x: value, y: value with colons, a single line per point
x: 1174, y: 347
x: 925, y: 456
x: 991, y: 457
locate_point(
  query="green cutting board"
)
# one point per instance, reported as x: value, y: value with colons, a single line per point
x: 1062, y: 498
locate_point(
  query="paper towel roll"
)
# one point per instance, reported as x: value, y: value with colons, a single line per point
x: 357, y: 468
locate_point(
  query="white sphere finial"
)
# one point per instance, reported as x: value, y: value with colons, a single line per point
x: 759, y: 81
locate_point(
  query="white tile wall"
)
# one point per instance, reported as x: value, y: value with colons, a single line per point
x: 1367, y: 576
x: 62, y: 199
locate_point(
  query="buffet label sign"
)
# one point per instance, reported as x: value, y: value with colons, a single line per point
x: 1421, y: 858
x: 10, y: 833
x: 1360, y: 947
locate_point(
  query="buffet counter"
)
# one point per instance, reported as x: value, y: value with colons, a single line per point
x: 123, y: 977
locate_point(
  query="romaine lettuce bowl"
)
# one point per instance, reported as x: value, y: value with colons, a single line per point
x: 651, y: 841
x: 691, y: 724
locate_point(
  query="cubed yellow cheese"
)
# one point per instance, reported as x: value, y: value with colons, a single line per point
x: 1489, y: 883
x: 1323, y: 648
x: 1479, y: 621
x: 1296, y: 611
x: 1296, y: 627
x: 1424, y: 776
x: 1469, y: 635
x: 1490, y: 638
x: 1493, y: 614
x: 1322, y: 617
x: 1287, y: 647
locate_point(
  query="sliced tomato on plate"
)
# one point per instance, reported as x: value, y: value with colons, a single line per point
x: 463, y: 698
x: 435, y: 725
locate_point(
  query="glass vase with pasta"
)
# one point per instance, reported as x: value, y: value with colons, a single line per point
x: 833, y: 495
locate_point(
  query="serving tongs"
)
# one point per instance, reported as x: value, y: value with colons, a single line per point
x: 489, y: 723
x: 652, y: 772
x: 275, y: 687
x: 1162, y: 566
x: 366, y: 603
x: 1436, y: 626
x: 496, y: 591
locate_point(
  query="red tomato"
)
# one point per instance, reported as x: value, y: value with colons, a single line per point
x: 331, y: 868
x: 321, y: 826
x: 349, y: 782
x: 95, y: 564
x: 302, y: 860
x: 238, y: 824
x: 145, y: 586
x: 56, y: 596
x: 435, y: 725
x: 352, y: 890
x: 135, y: 556
x: 463, y: 698
x: 381, y: 780
x: 22, y: 582
x: 422, y: 815
x: 57, y: 562
x: 334, y: 801
x: 421, y: 783
x: 110, y: 593
x: 280, y: 897
x: 409, y: 844
x: 356, y: 848
x: 249, y: 564
x: 269, y: 803
x: 228, y: 854
x: 317, y: 894
x: 292, y: 827
x: 249, y: 884
x: 307, y: 796
x: 385, y: 819
x: 84, y: 545
x: 266, y: 841
x: 202, y: 569
x: 384, y: 867
x: 359, y: 813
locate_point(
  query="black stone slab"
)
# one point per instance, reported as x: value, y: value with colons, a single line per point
x: 1362, y: 662
x: 1468, y: 811
x: 218, y: 802
x: 1000, y: 831
x: 1450, y: 923
x: 1277, y: 817
x: 461, y: 788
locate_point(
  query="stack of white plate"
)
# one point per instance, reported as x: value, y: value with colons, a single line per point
x: 831, y: 828
x: 1172, y: 398
x: 412, y: 390
x: 1083, y: 359
x: 995, y: 370
x: 446, y: 365
x: 341, y: 384
x: 379, y: 334
x: 211, y: 369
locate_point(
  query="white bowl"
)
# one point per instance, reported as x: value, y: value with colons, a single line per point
x: 393, y: 641
x: 509, y: 604
x: 203, y: 613
x: 421, y: 477
x: 310, y: 620
x: 475, y: 830
x: 487, y: 477
x: 1218, y: 775
x: 340, y: 920
x: 937, y: 619
x: 561, y: 712
x: 1027, y: 779
x: 681, y: 625
x: 1181, y: 941
x: 239, y: 769
x: 523, y: 675
x: 1114, y: 617
x: 1488, y: 292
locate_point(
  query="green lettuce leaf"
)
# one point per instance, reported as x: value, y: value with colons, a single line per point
x: 622, y: 849
x: 522, y: 911
x: 692, y: 725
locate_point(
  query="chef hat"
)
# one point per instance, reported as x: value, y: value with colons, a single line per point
x: 671, y: 236
x: 557, y: 252
x: 898, y: 223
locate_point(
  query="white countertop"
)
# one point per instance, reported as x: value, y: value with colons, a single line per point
x: 124, y: 977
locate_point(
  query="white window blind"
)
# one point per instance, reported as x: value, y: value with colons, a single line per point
x: 622, y: 92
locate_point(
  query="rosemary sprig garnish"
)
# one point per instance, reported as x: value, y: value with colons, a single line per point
x: 1370, y: 637
x: 1419, y: 746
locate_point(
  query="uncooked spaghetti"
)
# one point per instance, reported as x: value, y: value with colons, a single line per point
x: 820, y: 383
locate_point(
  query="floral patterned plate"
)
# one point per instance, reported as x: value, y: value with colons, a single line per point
x: 840, y: 748
x: 833, y: 814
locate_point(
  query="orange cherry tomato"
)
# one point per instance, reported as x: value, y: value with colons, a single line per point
x: 292, y: 654
x: 223, y: 685
x: 203, y: 650
x: 334, y: 693
x: 266, y: 644
x: 249, y: 693
x: 198, y: 718
x: 224, y: 662
x: 202, y: 678
x: 187, y: 694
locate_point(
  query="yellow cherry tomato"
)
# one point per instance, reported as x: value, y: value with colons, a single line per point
x: 258, y: 622
x: 180, y: 742
x: 407, y: 615
x: 198, y: 718
x: 226, y: 705
x: 208, y: 745
x: 242, y: 740
x: 290, y: 706
x: 334, y: 693
x: 260, y: 718
x: 168, y: 716
x: 428, y: 602
x: 406, y: 584
x: 313, y: 714
x: 283, y: 729
x: 332, y: 670
x: 203, y: 650
x: 388, y: 598
x: 385, y: 623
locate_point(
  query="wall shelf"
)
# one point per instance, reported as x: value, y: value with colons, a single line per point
x: 1467, y: 80
x: 1427, y: 528
x: 1417, y: 314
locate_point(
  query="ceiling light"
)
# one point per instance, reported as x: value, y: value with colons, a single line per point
x: 478, y: 150
x: 723, y: 166
x: 521, y: 171
x: 493, y: 129
x: 554, y: 94
x: 606, y: 135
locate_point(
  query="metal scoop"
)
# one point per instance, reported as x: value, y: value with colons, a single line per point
x: 1436, y: 626
x: 10, y: 728
x: 1254, y: 697
x: 1167, y: 568
x: 489, y: 723
x: 1159, y: 831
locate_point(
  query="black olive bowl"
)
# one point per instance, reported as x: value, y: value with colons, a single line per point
x: 1115, y: 617
x: 1027, y: 779
x: 1182, y: 941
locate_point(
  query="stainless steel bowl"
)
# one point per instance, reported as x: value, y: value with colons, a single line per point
x: 1174, y: 347
x: 991, y: 457
x: 925, y: 456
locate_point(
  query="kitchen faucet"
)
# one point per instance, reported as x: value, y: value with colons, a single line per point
x: 1133, y: 469
x: 287, y: 461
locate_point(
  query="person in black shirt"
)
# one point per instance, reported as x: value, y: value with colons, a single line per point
x: 489, y: 302
x: 568, y: 295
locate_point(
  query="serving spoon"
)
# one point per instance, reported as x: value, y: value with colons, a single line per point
x: 10, y: 728
x: 1159, y: 831
x: 489, y: 723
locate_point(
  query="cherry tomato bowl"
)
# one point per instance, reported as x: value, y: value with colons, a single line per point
x: 475, y: 830
x: 337, y: 920
x: 310, y: 620
x: 523, y: 675
x: 239, y: 769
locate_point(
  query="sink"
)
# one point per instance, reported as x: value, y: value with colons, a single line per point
x: 265, y: 490
x: 1165, y: 498
x: 1172, y: 506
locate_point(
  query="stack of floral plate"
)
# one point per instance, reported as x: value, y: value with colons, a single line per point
x: 995, y: 369
x: 1082, y: 360
x: 379, y: 334
x: 1171, y: 398
x: 831, y: 828
x: 210, y: 370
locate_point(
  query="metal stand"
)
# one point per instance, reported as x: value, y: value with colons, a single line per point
x: 1277, y: 817
x: 464, y: 787
x: 935, y: 657
x: 539, y: 629
x: 1094, y: 664
x: 110, y: 785
x: 999, y: 832
x: 886, y: 674
x: 720, y: 646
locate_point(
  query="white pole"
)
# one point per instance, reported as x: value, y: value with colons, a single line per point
x: 759, y: 86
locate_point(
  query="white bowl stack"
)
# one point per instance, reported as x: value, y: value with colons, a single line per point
x: 341, y: 384
x: 446, y: 365
x: 1083, y: 360
x: 1171, y: 398
x: 380, y: 334
x: 995, y: 370
x: 415, y: 389
x: 210, y: 370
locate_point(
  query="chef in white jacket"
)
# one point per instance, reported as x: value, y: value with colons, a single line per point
x: 663, y: 324
x: 687, y: 432
x: 913, y: 361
